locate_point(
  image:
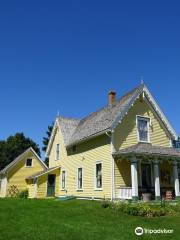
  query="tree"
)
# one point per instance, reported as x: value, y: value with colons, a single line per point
x: 14, y: 146
x: 46, y: 141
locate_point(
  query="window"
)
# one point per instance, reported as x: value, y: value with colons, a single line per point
x: 80, y: 178
x: 143, y: 129
x: 63, y: 183
x: 29, y: 162
x: 98, y: 175
x: 57, y: 151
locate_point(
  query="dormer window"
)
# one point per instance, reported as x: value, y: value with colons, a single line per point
x: 143, y: 129
x: 58, y: 151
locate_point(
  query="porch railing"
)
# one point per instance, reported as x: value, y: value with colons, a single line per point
x: 124, y: 193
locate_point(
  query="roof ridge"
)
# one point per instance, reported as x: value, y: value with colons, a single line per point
x: 110, y: 106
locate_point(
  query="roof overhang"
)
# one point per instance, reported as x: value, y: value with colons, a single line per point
x: 147, y: 150
x: 43, y: 173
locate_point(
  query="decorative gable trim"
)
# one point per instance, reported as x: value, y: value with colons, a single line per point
x: 53, y: 134
x: 160, y: 113
x: 146, y: 93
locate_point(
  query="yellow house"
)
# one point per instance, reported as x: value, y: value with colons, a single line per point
x: 122, y: 151
x: 13, y: 177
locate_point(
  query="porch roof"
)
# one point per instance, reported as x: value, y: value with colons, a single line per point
x: 149, y: 150
x: 38, y: 174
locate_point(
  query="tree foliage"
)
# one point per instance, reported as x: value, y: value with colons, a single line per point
x: 14, y: 146
x: 46, y: 141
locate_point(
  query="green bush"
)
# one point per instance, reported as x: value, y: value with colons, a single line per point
x: 23, y: 194
x: 106, y: 204
x: 139, y: 209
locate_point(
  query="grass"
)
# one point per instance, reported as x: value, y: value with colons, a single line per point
x: 75, y: 219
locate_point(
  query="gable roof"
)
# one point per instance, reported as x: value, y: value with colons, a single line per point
x: 19, y: 158
x: 41, y: 173
x: 107, y: 118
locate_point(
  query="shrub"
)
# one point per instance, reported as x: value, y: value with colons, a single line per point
x: 139, y: 209
x: 106, y: 204
x: 23, y: 194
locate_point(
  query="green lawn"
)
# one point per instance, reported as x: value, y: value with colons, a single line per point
x: 75, y: 219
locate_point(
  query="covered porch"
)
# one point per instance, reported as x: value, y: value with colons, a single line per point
x: 144, y: 169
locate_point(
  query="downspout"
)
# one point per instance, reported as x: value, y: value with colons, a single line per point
x: 111, y: 135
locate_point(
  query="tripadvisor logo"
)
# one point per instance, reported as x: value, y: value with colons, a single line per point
x: 139, y: 231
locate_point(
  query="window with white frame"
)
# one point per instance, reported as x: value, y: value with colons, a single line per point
x: 80, y: 178
x: 143, y: 129
x: 98, y: 176
x: 57, y: 151
x: 29, y: 162
x: 63, y: 180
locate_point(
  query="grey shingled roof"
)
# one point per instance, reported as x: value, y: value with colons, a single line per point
x: 101, y: 120
x: 148, y: 149
x: 68, y: 126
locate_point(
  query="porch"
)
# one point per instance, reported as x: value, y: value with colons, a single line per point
x: 143, y: 169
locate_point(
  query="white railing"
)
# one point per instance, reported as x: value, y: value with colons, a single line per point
x: 124, y: 193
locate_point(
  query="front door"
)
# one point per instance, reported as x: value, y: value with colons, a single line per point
x: 51, y: 185
x: 146, y: 175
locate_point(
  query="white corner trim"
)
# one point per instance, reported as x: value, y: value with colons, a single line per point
x: 112, y: 168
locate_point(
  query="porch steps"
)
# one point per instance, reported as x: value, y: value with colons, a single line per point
x: 65, y: 198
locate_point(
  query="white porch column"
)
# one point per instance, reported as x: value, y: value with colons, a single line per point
x: 156, y: 180
x: 176, y: 179
x: 134, y: 179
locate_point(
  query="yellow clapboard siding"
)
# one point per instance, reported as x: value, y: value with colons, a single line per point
x: 88, y: 153
x: 42, y: 184
x: 126, y: 135
x: 18, y: 174
x: 99, y: 149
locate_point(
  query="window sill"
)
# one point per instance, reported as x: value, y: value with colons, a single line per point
x: 29, y: 166
x: 98, y: 189
x: 144, y: 141
x: 79, y: 190
x: 64, y: 190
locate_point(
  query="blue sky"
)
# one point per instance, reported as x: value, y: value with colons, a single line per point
x: 67, y: 55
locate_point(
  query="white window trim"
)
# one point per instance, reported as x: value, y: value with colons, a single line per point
x: 149, y: 124
x: 63, y: 189
x: 95, y: 186
x: 77, y: 188
x: 31, y: 165
x: 57, y: 159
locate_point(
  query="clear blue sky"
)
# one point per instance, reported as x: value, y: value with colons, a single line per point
x: 67, y: 55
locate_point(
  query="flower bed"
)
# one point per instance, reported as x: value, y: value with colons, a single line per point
x: 143, y: 209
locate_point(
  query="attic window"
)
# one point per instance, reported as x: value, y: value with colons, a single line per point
x: 29, y: 162
x: 143, y: 129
